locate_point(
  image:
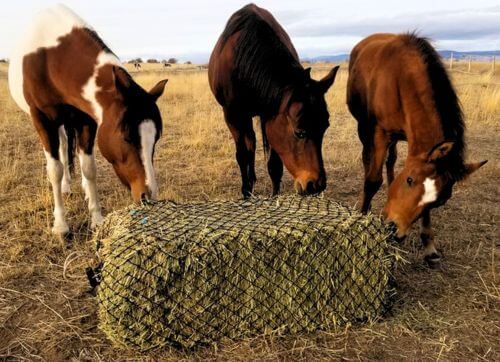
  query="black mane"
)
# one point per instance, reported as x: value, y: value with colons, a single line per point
x: 447, y: 104
x: 264, y: 65
x: 97, y: 39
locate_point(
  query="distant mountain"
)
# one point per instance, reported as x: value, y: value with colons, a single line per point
x: 473, y: 54
x: 202, y: 58
x: 444, y: 53
x: 328, y: 58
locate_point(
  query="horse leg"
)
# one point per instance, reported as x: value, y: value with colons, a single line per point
x: 63, y: 156
x: 374, y: 155
x: 49, y: 136
x: 86, y: 139
x: 431, y: 255
x: 275, y: 169
x: 244, y: 137
x: 391, y: 161
x: 245, y: 155
x: 250, y: 146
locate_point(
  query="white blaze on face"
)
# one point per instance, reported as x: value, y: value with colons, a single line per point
x: 430, y: 192
x: 90, y: 89
x: 147, y: 134
x: 44, y: 31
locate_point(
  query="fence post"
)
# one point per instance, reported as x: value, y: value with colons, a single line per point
x: 451, y: 60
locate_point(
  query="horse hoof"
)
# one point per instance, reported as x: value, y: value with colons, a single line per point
x: 433, y: 260
x: 246, y: 194
x: 96, y: 222
x: 61, y: 232
x: 60, y: 228
x: 66, y: 189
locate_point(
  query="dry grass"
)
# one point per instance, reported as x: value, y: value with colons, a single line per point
x: 47, y: 313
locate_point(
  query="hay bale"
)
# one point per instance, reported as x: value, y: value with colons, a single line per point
x: 189, y: 274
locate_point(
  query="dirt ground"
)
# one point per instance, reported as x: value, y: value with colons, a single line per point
x: 47, y: 313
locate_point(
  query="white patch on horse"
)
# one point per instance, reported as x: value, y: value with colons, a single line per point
x: 55, y: 174
x: 90, y: 88
x: 44, y: 31
x: 89, y: 185
x: 430, y: 192
x: 147, y: 133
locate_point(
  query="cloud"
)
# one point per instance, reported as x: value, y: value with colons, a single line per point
x: 290, y: 16
x: 464, y: 24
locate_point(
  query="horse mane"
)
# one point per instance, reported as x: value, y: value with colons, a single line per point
x: 264, y: 65
x: 447, y: 105
x: 97, y: 39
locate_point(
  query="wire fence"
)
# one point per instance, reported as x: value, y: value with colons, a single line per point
x: 472, y: 64
x: 194, y: 274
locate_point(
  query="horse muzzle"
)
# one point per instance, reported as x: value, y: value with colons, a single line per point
x: 310, y: 187
x: 399, y: 233
x: 149, y: 194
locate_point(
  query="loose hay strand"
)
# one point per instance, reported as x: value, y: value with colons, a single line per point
x: 194, y: 274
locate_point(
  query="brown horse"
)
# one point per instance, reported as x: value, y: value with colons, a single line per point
x: 398, y: 90
x: 254, y: 70
x: 73, y: 86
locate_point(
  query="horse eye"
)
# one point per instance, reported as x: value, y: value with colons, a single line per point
x: 409, y: 180
x: 300, y: 134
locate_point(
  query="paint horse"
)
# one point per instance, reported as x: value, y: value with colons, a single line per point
x: 74, y: 87
x: 254, y: 70
x: 399, y: 90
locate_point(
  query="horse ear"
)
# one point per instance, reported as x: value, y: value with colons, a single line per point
x: 158, y: 89
x: 473, y: 167
x: 439, y: 151
x: 121, y: 79
x: 307, y: 72
x: 328, y: 79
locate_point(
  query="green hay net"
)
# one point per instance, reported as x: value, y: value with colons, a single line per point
x: 191, y: 274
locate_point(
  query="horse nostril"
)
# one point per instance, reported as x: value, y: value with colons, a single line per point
x: 392, y: 226
x: 399, y: 239
x: 144, y: 197
x: 310, y: 187
x: 322, y: 184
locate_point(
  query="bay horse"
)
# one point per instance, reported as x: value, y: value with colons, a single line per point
x: 75, y: 88
x: 254, y: 70
x: 398, y: 89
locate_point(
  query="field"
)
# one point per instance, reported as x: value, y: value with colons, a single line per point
x: 47, y: 312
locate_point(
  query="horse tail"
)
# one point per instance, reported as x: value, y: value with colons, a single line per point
x: 71, y: 136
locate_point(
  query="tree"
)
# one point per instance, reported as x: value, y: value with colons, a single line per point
x: 152, y: 61
x: 172, y: 61
x: 136, y: 60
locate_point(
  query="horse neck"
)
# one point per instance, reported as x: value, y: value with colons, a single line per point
x: 424, y: 133
x: 104, y: 101
x: 423, y: 125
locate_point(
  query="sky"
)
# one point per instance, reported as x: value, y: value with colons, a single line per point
x: 188, y: 30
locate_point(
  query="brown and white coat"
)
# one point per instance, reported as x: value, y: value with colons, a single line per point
x: 76, y: 90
